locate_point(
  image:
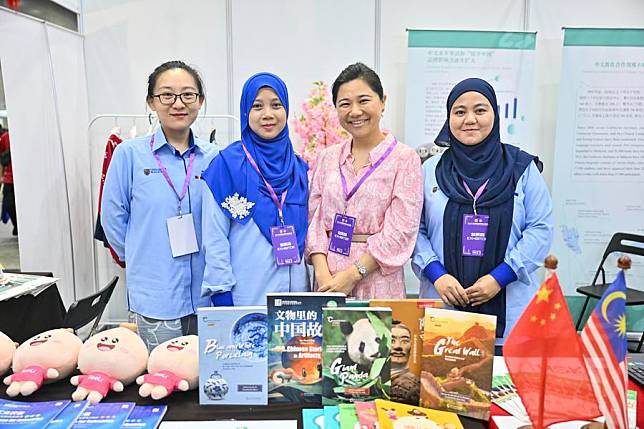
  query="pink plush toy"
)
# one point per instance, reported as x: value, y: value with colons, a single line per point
x: 110, y: 359
x: 45, y: 358
x: 7, y: 349
x: 173, y: 365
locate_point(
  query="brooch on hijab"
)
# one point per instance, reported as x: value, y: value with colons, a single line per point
x: 239, y: 207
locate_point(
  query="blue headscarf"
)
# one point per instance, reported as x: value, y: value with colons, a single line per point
x: 230, y: 172
x: 503, y: 165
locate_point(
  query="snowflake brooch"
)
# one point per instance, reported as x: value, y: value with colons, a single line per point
x: 237, y: 206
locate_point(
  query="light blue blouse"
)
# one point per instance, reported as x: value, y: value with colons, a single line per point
x: 529, y: 243
x: 136, y: 202
x: 240, y: 260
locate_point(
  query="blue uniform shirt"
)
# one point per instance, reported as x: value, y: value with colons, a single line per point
x: 529, y: 243
x: 240, y: 260
x: 137, y: 200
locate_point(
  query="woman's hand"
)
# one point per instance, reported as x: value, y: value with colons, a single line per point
x: 483, y: 290
x: 344, y: 281
x: 451, y: 291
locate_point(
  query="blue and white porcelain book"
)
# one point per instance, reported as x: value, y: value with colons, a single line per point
x: 233, y: 349
x: 15, y: 414
x: 145, y: 417
x: 104, y: 415
x: 66, y: 418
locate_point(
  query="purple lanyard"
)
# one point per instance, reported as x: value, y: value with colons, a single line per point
x: 477, y: 195
x: 278, y: 203
x: 164, y: 171
x: 347, y: 194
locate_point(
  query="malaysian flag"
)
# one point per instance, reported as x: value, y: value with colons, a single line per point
x: 605, y: 347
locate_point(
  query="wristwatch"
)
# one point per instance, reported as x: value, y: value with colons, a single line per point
x: 362, y: 270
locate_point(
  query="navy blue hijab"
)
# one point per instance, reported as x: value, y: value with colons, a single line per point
x: 230, y: 172
x: 503, y: 165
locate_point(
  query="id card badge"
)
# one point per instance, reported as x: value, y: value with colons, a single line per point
x: 474, y: 234
x: 183, y: 239
x: 285, y: 245
x: 341, y: 234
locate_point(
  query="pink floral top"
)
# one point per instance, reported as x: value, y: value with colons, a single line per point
x: 388, y: 206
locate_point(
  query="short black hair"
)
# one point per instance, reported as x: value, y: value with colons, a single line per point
x: 171, y: 65
x: 358, y: 71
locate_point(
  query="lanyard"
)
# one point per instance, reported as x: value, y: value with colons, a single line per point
x: 477, y: 195
x: 278, y: 203
x: 164, y: 171
x: 347, y: 194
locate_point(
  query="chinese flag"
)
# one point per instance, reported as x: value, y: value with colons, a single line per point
x: 544, y: 357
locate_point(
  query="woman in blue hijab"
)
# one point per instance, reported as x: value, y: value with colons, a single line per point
x: 486, y: 224
x: 256, y: 204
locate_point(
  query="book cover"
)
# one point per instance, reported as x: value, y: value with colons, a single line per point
x: 348, y: 416
x: 331, y: 417
x: 393, y: 415
x: 104, y: 415
x: 313, y: 418
x: 408, y: 317
x: 357, y: 342
x: 367, y: 415
x: 29, y: 414
x: 295, y: 345
x: 232, y: 355
x: 458, y: 351
x: 68, y: 416
x: 145, y: 417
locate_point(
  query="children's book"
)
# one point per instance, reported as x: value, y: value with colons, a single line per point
x: 458, y: 352
x: 145, y: 417
x: 15, y: 414
x: 232, y: 355
x: 104, y: 415
x: 68, y: 416
x: 331, y: 417
x: 408, y: 317
x: 313, y: 418
x: 393, y: 415
x: 295, y: 345
x: 348, y: 416
x: 357, y: 342
x: 367, y: 415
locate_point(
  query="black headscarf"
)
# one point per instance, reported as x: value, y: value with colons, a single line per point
x: 503, y: 165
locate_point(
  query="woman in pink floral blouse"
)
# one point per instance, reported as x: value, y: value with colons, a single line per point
x: 366, y: 198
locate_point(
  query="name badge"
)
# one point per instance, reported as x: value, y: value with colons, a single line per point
x: 341, y: 234
x: 285, y: 245
x: 183, y: 238
x: 474, y: 234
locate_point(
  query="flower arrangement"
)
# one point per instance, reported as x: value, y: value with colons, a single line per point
x: 318, y: 125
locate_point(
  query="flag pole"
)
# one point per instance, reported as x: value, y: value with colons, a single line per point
x: 550, y: 263
x: 624, y: 263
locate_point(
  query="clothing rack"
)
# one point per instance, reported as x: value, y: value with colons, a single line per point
x: 120, y: 116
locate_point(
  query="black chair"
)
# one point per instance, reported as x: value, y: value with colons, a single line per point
x: 595, y: 290
x: 90, y: 308
x: 32, y: 273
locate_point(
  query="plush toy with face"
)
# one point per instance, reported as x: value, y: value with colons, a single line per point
x: 45, y: 358
x: 7, y: 349
x: 173, y: 365
x: 110, y: 359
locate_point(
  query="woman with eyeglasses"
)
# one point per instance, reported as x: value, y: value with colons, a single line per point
x: 151, y: 209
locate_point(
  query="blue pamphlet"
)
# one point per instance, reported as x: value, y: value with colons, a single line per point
x: 29, y: 414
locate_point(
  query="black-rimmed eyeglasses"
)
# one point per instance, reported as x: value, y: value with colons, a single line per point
x: 169, y: 98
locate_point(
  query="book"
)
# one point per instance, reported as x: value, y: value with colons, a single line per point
x: 331, y: 417
x: 394, y: 415
x: 231, y: 424
x: 348, y: 416
x: 313, y: 418
x: 458, y: 352
x: 232, y: 355
x: 68, y: 416
x: 29, y: 414
x: 356, y: 346
x: 13, y: 285
x: 367, y: 415
x: 145, y: 417
x: 295, y: 345
x: 104, y: 415
x: 408, y: 317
